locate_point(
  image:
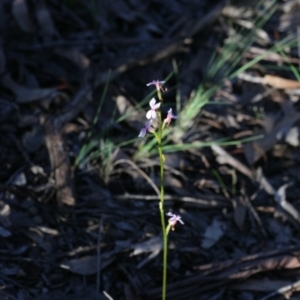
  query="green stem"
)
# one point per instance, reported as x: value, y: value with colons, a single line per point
x: 162, y: 194
x: 163, y: 224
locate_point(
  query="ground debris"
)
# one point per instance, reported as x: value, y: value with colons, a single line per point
x: 79, y: 216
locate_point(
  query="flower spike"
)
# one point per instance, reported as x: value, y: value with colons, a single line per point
x: 151, y: 114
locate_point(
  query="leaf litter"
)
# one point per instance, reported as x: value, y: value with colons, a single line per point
x: 92, y: 232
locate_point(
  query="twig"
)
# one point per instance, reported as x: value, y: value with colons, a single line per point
x: 141, y: 172
x: 284, y: 290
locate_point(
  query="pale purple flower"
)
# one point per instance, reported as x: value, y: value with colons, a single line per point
x: 158, y: 85
x: 169, y: 117
x: 174, y: 219
x: 146, y: 128
x: 151, y: 114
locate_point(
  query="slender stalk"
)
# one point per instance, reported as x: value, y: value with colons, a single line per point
x: 163, y: 224
x: 162, y: 195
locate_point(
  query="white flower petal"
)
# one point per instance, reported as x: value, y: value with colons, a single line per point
x: 153, y: 114
x: 152, y: 102
x: 149, y: 114
x: 156, y: 106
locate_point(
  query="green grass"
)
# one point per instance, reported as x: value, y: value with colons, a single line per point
x: 227, y: 63
x: 90, y: 143
x: 292, y: 68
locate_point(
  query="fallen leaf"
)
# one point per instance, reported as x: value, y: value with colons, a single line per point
x: 10, y: 270
x: 292, y: 137
x: 20, y: 12
x: 20, y: 180
x: 281, y: 83
x: 290, y: 210
x: 44, y: 18
x: 261, y: 285
x: 256, y: 149
x: 150, y: 245
x: 4, y: 232
x: 86, y: 265
x: 75, y: 56
x: 213, y: 233
x: 25, y: 94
